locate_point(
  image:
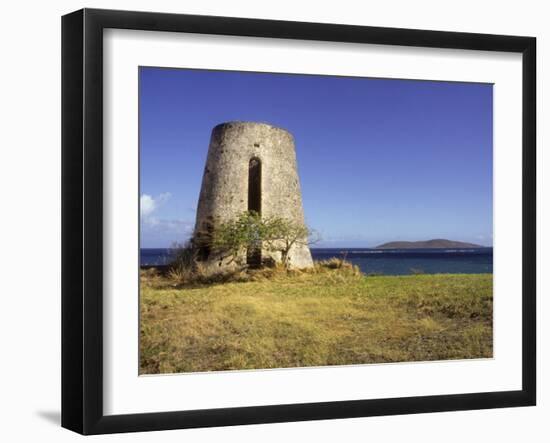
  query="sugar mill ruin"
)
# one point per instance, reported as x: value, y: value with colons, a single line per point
x: 249, y: 167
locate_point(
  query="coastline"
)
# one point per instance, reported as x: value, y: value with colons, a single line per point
x: 373, y: 261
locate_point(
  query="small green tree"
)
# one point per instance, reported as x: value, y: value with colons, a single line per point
x: 249, y: 231
x: 281, y: 235
x: 233, y: 238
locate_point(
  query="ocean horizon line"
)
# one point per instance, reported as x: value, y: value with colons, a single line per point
x: 354, y: 247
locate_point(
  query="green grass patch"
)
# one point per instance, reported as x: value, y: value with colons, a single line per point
x: 329, y: 316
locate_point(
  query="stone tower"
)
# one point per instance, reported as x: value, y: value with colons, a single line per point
x: 250, y: 167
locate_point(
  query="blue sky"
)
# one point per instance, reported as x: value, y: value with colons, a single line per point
x: 379, y: 160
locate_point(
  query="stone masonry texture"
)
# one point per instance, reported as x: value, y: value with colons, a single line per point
x: 224, y: 191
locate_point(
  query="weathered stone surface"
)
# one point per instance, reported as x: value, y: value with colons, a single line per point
x: 225, y: 185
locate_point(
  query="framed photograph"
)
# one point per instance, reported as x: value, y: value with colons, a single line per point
x: 268, y: 221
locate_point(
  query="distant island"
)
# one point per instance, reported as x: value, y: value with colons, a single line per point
x: 428, y: 244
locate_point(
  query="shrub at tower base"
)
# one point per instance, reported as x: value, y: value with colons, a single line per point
x: 234, y: 242
x: 274, y: 236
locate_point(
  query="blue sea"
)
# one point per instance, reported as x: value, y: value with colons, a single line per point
x: 386, y: 262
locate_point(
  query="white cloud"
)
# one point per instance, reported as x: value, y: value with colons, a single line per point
x: 160, y: 230
x: 168, y: 225
x: 148, y: 204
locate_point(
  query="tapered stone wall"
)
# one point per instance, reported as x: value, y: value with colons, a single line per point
x: 234, y: 148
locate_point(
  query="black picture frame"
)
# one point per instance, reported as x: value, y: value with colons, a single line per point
x: 82, y: 215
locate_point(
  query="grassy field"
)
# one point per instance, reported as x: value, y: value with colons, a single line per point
x: 323, y: 317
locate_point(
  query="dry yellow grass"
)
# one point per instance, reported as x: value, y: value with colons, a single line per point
x: 331, y: 315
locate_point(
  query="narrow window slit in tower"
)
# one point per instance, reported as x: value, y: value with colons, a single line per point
x: 254, y: 253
